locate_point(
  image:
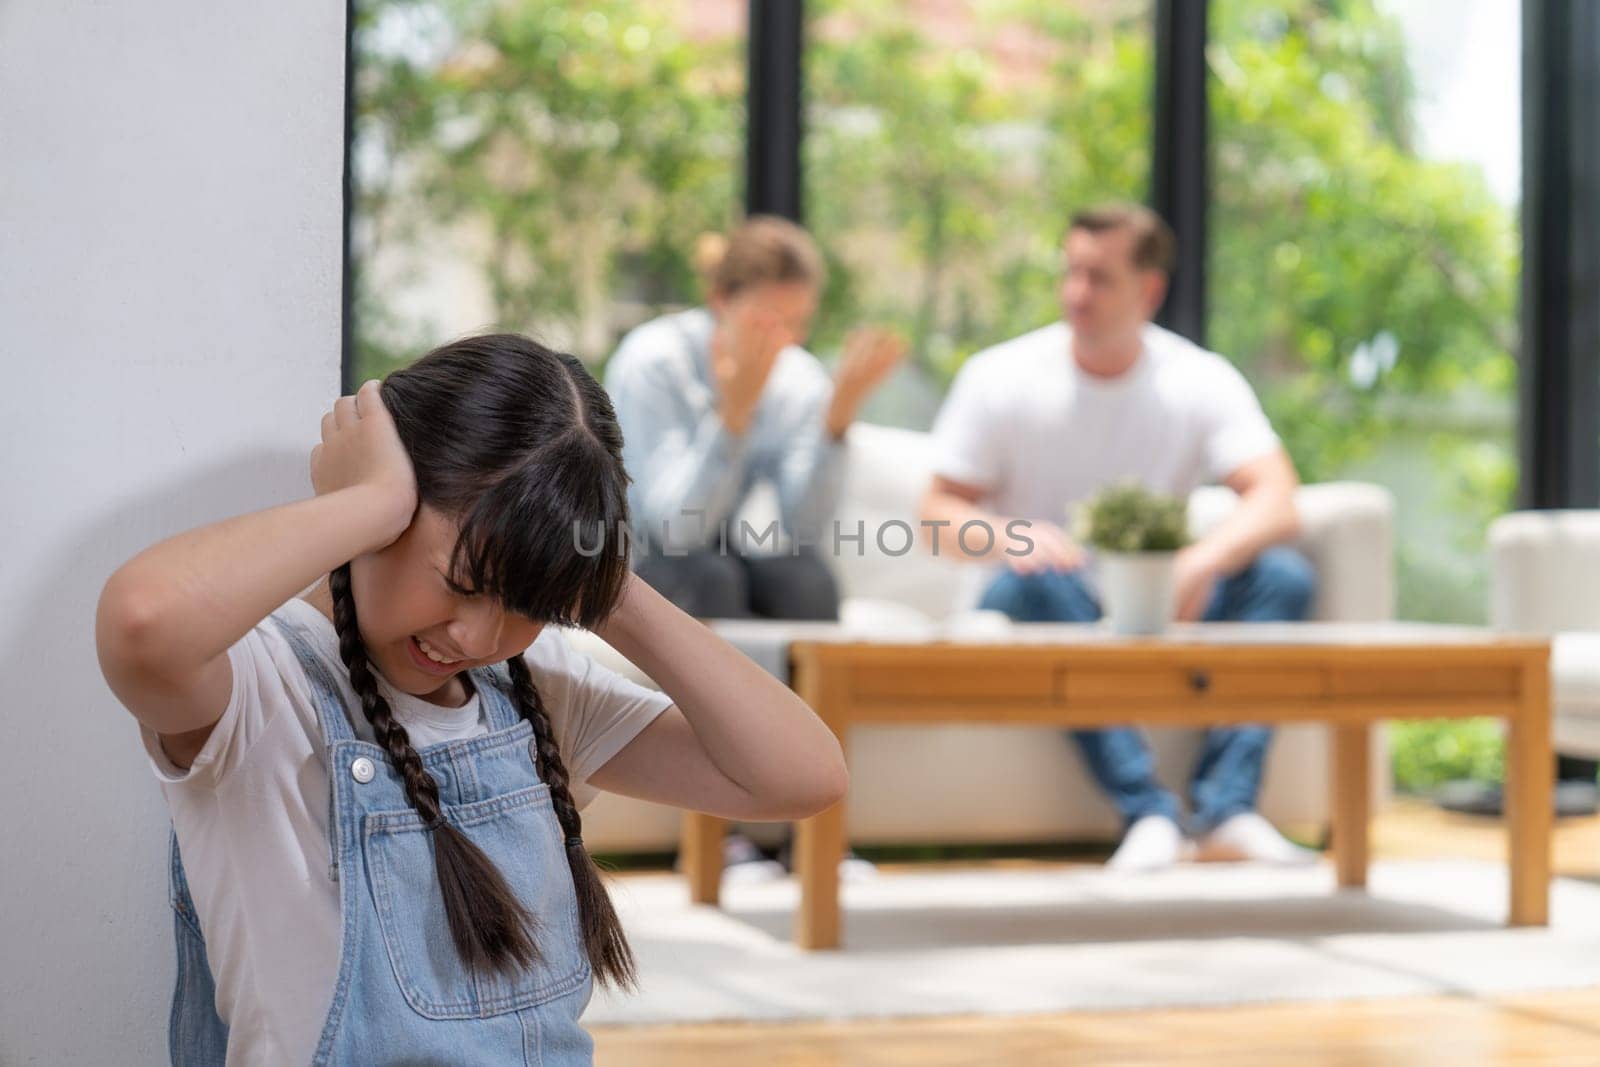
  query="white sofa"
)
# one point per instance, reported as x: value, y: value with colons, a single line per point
x: 962, y: 784
x: 1545, y: 580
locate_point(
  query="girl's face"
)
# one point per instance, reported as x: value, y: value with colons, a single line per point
x: 408, y: 607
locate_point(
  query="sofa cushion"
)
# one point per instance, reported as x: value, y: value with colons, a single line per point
x: 1575, y: 692
x: 1542, y: 572
x: 1346, y: 533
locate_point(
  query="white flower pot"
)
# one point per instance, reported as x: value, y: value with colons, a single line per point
x: 1136, y: 590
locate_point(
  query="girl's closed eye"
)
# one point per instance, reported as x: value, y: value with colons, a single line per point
x: 455, y: 587
x: 467, y: 593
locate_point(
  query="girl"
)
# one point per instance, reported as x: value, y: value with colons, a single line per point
x: 375, y: 786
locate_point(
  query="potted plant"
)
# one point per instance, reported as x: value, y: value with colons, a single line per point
x: 1136, y: 535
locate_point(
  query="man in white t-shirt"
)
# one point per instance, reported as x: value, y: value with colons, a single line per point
x: 1034, y: 426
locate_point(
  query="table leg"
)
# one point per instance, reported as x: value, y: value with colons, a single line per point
x: 1352, y: 800
x: 818, y: 848
x: 819, y: 840
x: 1530, y: 784
x: 700, y: 848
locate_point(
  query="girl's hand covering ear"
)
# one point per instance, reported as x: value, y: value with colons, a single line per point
x: 361, y: 449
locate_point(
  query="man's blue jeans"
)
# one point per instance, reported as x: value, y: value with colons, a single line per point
x: 1277, y: 587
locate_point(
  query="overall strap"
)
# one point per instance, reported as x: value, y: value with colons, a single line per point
x: 330, y: 713
x: 494, y: 688
x: 330, y: 701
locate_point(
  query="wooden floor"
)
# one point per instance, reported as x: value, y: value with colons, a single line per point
x: 1546, y: 1028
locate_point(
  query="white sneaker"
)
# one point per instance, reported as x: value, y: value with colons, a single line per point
x: 855, y: 869
x: 1247, y: 836
x: 753, y: 872
x: 1151, y: 844
x: 745, y: 864
x: 852, y: 868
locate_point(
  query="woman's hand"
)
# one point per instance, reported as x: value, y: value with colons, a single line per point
x: 744, y: 349
x: 361, y: 449
x: 871, y: 354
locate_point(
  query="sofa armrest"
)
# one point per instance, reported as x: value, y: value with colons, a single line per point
x: 1544, y: 571
x: 1347, y: 532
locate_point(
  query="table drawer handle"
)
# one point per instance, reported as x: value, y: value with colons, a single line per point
x: 1199, y: 681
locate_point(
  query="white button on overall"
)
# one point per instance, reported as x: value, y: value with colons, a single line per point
x: 362, y: 770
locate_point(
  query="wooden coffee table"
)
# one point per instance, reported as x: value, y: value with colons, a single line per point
x: 1347, y: 675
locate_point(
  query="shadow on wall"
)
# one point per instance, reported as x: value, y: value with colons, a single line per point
x: 88, y: 904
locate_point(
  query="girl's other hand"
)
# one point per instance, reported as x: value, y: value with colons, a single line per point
x: 361, y: 449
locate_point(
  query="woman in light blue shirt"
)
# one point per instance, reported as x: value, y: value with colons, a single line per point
x: 713, y: 401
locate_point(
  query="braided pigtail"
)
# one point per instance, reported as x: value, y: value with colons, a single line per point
x: 491, y: 929
x: 607, y: 946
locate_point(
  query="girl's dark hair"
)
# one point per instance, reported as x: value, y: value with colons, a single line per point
x: 518, y: 444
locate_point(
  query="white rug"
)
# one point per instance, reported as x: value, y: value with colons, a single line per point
x: 958, y: 942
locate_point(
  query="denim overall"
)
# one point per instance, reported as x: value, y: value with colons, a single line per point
x: 403, y: 994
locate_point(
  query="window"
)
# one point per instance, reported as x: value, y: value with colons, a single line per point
x: 946, y: 145
x: 537, y: 166
x: 1364, y: 253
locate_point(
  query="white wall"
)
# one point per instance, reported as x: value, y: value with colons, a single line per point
x: 169, y: 333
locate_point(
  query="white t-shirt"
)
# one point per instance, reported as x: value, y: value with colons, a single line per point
x: 1026, y: 424
x: 251, y: 814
